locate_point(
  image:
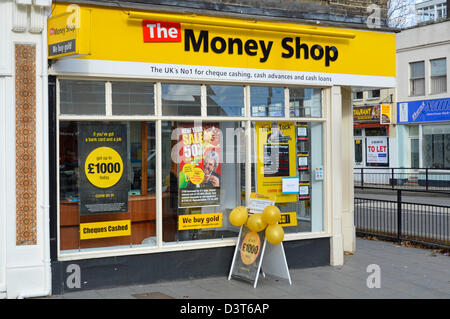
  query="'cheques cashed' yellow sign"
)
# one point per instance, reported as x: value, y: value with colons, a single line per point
x: 115, y: 228
x: 150, y: 44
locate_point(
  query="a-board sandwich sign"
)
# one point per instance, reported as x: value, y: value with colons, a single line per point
x: 248, y: 255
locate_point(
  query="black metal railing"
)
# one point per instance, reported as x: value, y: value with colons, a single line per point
x: 428, y: 179
x: 400, y: 220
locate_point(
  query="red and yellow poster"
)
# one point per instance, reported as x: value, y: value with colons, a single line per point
x: 199, y: 165
x: 276, y: 158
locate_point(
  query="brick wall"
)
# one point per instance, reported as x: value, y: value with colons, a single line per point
x: 334, y: 12
x: 357, y: 7
x: 348, y: 8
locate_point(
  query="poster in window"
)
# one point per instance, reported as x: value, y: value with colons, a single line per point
x: 276, y: 158
x: 302, y: 131
x: 199, y: 165
x: 377, y: 150
x: 385, y: 117
x: 102, y: 149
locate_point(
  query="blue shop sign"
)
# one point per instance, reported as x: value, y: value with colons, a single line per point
x: 423, y: 111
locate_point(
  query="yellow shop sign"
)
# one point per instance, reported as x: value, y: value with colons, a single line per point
x: 68, y: 33
x: 288, y: 219
x: 183, y: 46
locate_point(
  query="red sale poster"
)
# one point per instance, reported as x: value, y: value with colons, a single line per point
x: 199, y: 165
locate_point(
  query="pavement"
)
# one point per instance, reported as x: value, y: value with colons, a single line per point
x: 377, y: 270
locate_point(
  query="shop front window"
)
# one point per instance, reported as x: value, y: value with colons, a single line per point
x: 107, y: 184
x: 286, y: 150
x: 181, y: 99
x: 305, y: 102
x: 112, y: 165
x: 436, y: 146
x: 267, y: 101
x: 133, y: 98
x: 225, y: 100
x: 82, y: 97
x: 202, y: 165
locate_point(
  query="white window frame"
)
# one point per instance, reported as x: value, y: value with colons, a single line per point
x: 410, y: 79
x: 158, y: 118
x: 370, y: 95
x: 433, y: 78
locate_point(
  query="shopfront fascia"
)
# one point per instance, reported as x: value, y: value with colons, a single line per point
x: 186, y: 109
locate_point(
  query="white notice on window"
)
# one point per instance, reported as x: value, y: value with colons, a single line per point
x: 290, y: 185
x: 304, y: 190
x: 403, y: 112
x: 302, y: 132
x: 303, y: 161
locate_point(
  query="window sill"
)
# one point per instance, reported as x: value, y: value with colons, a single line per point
x: 115, y: 252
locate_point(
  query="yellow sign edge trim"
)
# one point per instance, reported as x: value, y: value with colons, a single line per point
x: 200, y: 20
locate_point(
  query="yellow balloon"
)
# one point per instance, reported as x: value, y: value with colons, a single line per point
x: 238, y: 216
x: 274, y: 234
x: 255, y: 223
x: 271, y: 215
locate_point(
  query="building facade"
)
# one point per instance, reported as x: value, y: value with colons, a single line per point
x: 163, y: 119
x: 423, y: 108
x: 431, y: 10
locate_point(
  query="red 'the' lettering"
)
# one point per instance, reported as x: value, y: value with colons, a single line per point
x: 161, y: 31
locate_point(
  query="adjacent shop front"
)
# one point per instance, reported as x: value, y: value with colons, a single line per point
x: 163, y: 123
x: 371, y: 135
x: 427, y: 126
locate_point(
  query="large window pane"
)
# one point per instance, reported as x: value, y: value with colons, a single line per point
x: 225, y: 100
x: 79, y: 97
x: 305, y: 102
x: 202, y: 165
x: 267, y: 101
x: 438, y: 67
x: 417, y: 78
x: 107, y: 185
x: 132, y: 98
x: 417, y: 70
x: 296, y: 153
x: 181, y: 99
x: 438, y: 76
x: 436, y: 146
